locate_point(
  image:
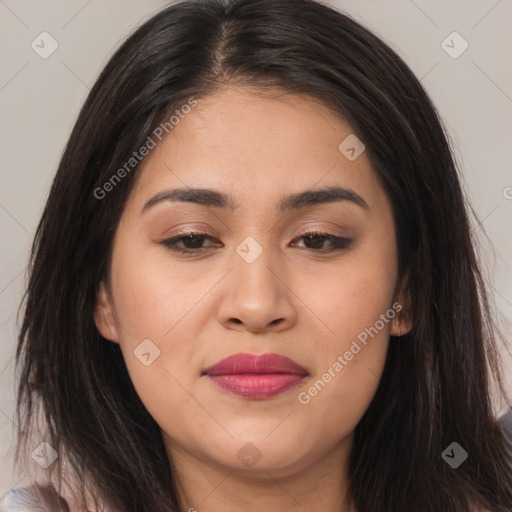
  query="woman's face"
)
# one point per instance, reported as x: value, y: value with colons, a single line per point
x: 255, y: 283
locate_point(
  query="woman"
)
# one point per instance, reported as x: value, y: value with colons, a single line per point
x: 254, y: 287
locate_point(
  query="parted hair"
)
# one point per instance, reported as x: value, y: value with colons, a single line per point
x: 435, y: 386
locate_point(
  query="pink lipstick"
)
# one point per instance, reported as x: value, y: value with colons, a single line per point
x: 256, y: 377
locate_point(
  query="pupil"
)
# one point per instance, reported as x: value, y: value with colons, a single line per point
x: 315, y: 238
x: 190, y: 239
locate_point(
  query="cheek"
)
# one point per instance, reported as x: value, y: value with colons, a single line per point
x: 156, y: 297
x: 166, y: 394
x: 351, y: 295
x: 349, y: 368
x: 157, y: 303
x: 355, y: 306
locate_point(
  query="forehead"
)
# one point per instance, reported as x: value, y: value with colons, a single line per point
x: 236, y: 119
x: 254, y: 145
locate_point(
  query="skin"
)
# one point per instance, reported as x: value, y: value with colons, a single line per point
x: 200, y: 308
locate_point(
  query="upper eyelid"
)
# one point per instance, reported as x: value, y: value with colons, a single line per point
x: 178, y: 237
x: 196, y: 232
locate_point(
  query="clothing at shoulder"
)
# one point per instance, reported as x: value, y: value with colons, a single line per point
x: 506, y: 422
x: 35, y: 498
x: 25, y: 499
x: 39, y: 498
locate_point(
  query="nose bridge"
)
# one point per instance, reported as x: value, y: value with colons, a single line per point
x: 254, y: 265
x: 256, y: 295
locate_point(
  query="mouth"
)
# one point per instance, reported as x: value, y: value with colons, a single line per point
x: 256, y: 377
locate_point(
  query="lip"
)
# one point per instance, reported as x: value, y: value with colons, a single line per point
x: 256, y: 376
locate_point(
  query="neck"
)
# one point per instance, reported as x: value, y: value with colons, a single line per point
x: 318, y: 484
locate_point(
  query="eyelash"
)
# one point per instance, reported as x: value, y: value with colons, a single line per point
x: 339, y: 243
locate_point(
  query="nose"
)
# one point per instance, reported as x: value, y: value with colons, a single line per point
x: 257, y: 296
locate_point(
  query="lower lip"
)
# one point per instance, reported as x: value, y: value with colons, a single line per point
x: 257, y: 386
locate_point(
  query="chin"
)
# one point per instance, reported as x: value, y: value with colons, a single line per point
x: 252, y: 455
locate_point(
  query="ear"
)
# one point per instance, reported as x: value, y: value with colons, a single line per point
x: 402, y: 322
x: 104, y: 315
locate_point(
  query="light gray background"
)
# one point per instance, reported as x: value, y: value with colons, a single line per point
x: 40, y: 99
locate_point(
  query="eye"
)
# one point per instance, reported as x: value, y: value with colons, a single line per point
x: 193, y: 242
x: 316, y: 239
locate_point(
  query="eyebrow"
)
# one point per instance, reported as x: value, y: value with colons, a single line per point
x: 213, y: 198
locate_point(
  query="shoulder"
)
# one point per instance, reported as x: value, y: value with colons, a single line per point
x: 35, y: 498
x: 506, y: 422
x: 43, y: 497
x: 19, y: 499
x: 26, y: 499
x: 38, y: 497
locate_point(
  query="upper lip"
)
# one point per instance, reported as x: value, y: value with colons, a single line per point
x: 255, y: 364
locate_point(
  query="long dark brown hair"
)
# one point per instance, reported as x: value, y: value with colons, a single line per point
x: 436, y: 381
